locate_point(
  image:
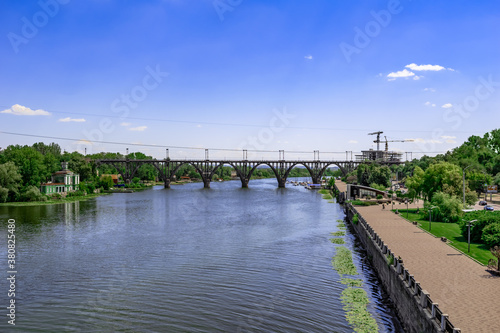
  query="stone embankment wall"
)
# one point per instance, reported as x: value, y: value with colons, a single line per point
x: 415, y: 309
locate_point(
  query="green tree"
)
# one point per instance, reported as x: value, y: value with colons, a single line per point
x: 30, y: 163
x: 442, y: 177
x: 450, y: 207
x: 106, y: 182
x: 32, y: 193
x: 10, y: 182
x: 491, y: 235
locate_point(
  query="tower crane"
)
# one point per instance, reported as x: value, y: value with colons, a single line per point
x: 387, y: 145
x: 378, y: 138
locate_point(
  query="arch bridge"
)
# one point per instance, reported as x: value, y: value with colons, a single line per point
x: 244, y: 168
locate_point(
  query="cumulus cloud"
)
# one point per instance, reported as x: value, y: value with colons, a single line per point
x: 415, y: 67
x: 20, y: 110
x: 416, y: 77
x: 309, y: 57
x: 447, y: 106
x: 430, y: 104
x: 138, y: 129
x: 125, y: 124
x: 83, y: 142
x: 449, y: 139
x: 68, y: 119
x: 420, y: 140
x: 403, y: 73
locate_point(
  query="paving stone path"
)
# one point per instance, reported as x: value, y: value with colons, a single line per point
x: 462, y: 287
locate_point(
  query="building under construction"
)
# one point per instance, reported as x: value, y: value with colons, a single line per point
x: 381, y: 155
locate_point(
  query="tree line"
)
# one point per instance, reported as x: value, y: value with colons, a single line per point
x: 24, y: 168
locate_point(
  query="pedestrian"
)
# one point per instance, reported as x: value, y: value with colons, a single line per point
x: 383, y: 206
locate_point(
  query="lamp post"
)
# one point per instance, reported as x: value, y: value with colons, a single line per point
x: 468, y: 238
x: 430, y: 217
x: 406, y: 208
x: 463, y: 180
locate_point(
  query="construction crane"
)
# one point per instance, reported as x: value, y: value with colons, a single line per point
x: 387, y: 145
x: 378, y: 138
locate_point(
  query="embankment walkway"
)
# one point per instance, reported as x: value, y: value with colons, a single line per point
x: 462, y: 287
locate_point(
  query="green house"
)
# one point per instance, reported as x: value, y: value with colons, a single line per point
x: 62, y: 181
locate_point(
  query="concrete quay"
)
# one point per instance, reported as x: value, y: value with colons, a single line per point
x: 462, y: 288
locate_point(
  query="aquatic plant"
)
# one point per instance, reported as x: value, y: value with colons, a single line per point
x: 355, y: 302
x: 352, y: 282
x: 342, y: 262
x: 337, y: 240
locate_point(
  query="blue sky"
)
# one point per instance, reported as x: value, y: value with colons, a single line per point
x: 257, y: 75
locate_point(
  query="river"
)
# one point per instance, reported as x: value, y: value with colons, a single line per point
x: 185, y: 259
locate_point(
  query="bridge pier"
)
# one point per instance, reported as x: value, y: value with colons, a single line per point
x: 281, y: 183
x: 167, y: 183
x: 315, y: 180
x: 206, y: 183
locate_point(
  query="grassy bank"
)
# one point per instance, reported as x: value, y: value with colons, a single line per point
x: 53, y: 201
x: 451, y: 231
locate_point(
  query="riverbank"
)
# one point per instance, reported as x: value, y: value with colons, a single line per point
x: 53, y: 202
x: 433, y: 282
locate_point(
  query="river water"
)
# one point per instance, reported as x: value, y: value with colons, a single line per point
x: 186, y: 259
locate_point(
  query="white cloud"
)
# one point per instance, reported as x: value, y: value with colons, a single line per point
x: 420, y: 140
x: 125, y: 124
x: 415, y: 67
x: 353, y: 141
x: 20, y: 110
x: 416, y: 77
x: 447, y: 106
x: 430, y: 104
x: 449, y: 139
x: 430, y: 89
x: 403, y: 73
x: 68, y: 119
x: 138, y: 129
x: 83, y: 142
x: 309, y: 57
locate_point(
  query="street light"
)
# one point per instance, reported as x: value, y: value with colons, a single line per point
x: 406, y: 208
x: 464, y: 182
x: 430, y: 217
x: 468, y: 238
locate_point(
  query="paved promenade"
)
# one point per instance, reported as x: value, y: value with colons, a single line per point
x: 463, y: 288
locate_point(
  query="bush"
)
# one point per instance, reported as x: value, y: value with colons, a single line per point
x: 4, y: 194
x: 450, y: 208
x: 491, y: 234
x: 106, y: 182
x: 56, y: 196
x: 380, y: 196
x: 363, y: 203
x: 378, y: 186
x: 355, y: 219
x: 32, y: 193
x: 483, y: 220
x: 76, y: 193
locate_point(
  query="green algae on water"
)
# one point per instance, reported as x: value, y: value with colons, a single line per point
x: 342, y: 262
x: 355, y: 302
